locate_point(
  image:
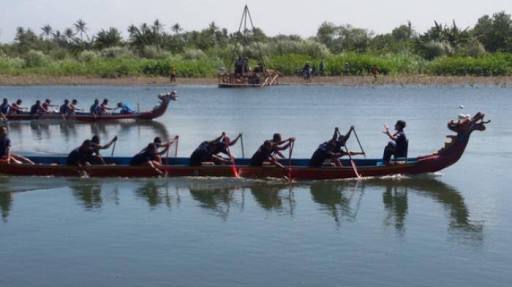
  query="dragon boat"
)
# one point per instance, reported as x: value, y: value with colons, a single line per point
x: 296, y: 169
x: 156, y: 112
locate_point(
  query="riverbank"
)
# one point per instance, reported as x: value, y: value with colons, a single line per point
x: 335, y: 80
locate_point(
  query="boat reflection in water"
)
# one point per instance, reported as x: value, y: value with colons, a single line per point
x: 55, y: 136
x: 341, y: 200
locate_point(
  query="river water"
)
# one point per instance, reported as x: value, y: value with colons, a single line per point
x: 445, y: 229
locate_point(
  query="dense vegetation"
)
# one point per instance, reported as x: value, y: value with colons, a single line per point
x: 153, y: 50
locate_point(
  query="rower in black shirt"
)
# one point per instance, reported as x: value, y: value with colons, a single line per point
x: 209, y: 151
x: 332, y: 149
x: 269, y: 149
x: 80, y: 155
x: 36, y: 108
x: 95, y: 157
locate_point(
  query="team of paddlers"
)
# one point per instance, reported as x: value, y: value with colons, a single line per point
x: 217, y: 151
x: 66, y: 108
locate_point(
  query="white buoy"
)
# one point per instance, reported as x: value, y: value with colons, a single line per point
x: 461, y: 107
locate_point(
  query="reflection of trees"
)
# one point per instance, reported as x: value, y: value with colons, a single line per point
x: 336, y: 198
x: 5, y: 204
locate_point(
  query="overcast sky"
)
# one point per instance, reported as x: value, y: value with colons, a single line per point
x: 273, y: 16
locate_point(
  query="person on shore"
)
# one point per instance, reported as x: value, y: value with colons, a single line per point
x: 173, y: 75
x: 94, y: 109
x: 4, y: 107
x: 332, y: 149
x: 95, y: 157
x: 398, y: 145
x: 80, y: 155
x: 36, y: 108
x: 104, y: 108
x: 321, y: 68
x: 124, y: 109
x: 269, y: 149
x: 64, y: 108
x: 5, y: 150
x: 209, y: 151
x: 16, y: 107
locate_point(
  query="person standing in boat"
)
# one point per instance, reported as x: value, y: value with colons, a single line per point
x: 95, y: 157
x: 398, y: 145
x: 94, y: 109
x: 5, y: 150
x: 269, y: 149
x: 209, y: 151
x: 332, y: 149
x: 4, y: 107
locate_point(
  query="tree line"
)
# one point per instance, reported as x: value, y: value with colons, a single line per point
x: 491, y: 35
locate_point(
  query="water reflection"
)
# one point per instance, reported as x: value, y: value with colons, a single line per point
x: 341, y: 200
x: 31, y: 135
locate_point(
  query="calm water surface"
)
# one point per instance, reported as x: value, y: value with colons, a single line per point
x: 446, y: 229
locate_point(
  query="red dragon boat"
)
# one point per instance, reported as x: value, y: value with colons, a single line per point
x: 157, y: 111
x: 295, y: 169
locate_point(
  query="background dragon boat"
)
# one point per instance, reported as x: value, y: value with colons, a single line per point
x: 157, y: 111
x: 296, y: 169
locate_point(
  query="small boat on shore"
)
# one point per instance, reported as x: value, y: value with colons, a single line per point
x: 156, y: 112
x: 294, y: 169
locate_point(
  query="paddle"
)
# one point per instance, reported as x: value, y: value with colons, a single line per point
x: 360, y: 146
x: 242, y: 145
x: 113, y: 149
x: 233, y: 164
x: 352, y: 163
x: 290, y: 160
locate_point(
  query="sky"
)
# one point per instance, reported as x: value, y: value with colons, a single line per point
x: 273, y: 16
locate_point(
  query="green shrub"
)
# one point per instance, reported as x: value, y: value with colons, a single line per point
x: 35, y: 59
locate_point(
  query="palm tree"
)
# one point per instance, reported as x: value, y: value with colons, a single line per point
x: 69, y: 34
x: 47, y: 31
x: 81, y: 27
x: 176, y: 28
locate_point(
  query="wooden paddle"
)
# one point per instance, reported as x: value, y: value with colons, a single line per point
x: 360, y: 146
x: 354, y: 167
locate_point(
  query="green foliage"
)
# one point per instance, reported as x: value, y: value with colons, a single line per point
x: 489, y: 65
x: 35, y: 59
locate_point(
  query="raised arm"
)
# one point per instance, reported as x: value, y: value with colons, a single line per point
x: 233, y: 142
x: 388, y: 133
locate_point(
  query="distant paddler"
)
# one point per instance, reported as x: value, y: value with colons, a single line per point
x: 47, y: 107
x: 332, y: 149
x: 270, y: 149
x: 4, y: 107
x: 5, y: 150
x: 209, y: 151
x: 16, y: 107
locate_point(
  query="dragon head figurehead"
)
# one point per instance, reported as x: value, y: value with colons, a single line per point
x: 168, y: 96
x: 466, y: 124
